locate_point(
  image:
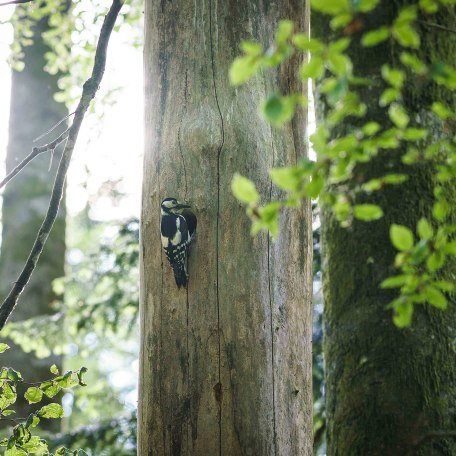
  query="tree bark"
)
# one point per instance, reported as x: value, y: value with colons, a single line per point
x: 389, y: 391
x: 33, y: 111
x: 225, y: 367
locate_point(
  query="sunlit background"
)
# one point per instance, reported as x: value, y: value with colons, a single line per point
x: 106, y: 165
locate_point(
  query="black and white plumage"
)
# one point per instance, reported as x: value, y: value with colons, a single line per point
x: 178, y: 227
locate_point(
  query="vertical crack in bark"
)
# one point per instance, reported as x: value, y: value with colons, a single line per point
x: 272, y: 316
x: 274, y: 412
x: 222, y: 141
x: 184, y: 111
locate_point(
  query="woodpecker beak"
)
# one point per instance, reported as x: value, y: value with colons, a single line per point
x: 182, y: 206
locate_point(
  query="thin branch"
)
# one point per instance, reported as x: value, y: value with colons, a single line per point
x: 54, y: 126
x: 88, y: 93
x: 35, y: 152
x: 438, y: 26
x: 15, y: 2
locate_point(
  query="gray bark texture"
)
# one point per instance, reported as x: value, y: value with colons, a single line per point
x: 33, y: 111
x: 225, y: 366
x: 389, y: 391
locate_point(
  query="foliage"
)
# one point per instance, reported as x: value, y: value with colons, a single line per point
x: 22, y: 442
x: 426, y: 138
x: 115, y: 437
x: 71, y: 39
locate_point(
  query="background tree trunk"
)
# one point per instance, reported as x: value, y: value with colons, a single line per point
x: 226, y: 366
x: 387, y: 389
x: 25, y: 200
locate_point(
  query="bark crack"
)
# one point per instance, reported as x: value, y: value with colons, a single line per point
x: 219, y: 150
x: 184, y: 112
x: 272, y: 316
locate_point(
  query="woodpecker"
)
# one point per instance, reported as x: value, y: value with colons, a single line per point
x: 178, y: 227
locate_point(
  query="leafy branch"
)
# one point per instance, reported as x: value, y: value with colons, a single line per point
x: 21, y: 442
x: 330, y: 178
x: 90, y: 88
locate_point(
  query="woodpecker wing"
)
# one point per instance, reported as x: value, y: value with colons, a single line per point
x: 175, y: 240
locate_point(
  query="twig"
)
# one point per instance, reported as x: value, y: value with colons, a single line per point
x: 35, y: 152
x: 88, y: 93
x: 438, y: 26
x: 15, y: 2
x: 54, y: 126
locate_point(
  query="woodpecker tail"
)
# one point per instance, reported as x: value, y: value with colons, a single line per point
x: 180, y: 274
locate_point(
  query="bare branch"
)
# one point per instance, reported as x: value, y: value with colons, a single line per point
x: 54, y: 126
x: 15, y: 2
x: 35, y: 152
x: 437, y: 26
x: 88, y: 93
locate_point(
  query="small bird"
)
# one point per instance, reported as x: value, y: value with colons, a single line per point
x: 178, y: 227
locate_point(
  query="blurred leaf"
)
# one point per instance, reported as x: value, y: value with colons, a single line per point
x: 244, y: 189
x: 401, y: 237
x: 367, y: 212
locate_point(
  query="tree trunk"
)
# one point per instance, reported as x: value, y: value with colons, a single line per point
x: 25, y: 200
x: 389, y: 391
x: 226, y: 366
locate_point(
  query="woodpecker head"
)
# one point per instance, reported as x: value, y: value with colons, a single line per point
x: 172, y: 206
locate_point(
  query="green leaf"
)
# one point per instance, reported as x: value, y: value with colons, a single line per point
x: 441, y: 110
x: 393, y: 76
x: 243, y: 68
x: 33, y: 395
x: 286, y: 178
x: 424, y: 229
x: 7, y: 412
x: 332, y: 7
x: 3, y: 347
x: 251, y: 48
x: 388, y: 96
x: 450, y: 248
x: 269, y: 215
x: 414, y: 63
x: 370, y: 128
x: 278, y: 110
x: 415, y: 134
x: 394, y: 179
x: 54, y: 369
x: 339, y: 64
x: 8, y: 396
x: 367, y: 212
x: 403, y: 312
x: 244, y: 189
x: 367, y: 5
x: 315, y: 186
x: 375, y: 37
x: 444, y: 285
x: 435, y: 261
x: 435, y: 297
x: 440, y: 210
x: 406, y: 35
x: 401, y: 237
x: 80, y: 375
x: 52, y: 410
x: 313, y: 69
x: 394, y: 281
x: 284, y: 31
x: 398, y: 115
x: 429, y: 6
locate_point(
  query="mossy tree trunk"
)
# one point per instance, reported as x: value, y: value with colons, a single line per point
x: 225, y: 366
x: 388, y: 391
x: 33, y: 111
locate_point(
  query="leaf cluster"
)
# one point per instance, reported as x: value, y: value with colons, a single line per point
x: 330, y: 177
x: 22, y: 442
